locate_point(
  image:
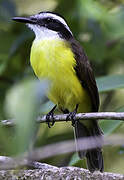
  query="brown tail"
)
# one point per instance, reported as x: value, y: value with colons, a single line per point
x: 94, y: 156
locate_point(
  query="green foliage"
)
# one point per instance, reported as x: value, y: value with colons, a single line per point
x: 75, y: 161
x: 111, y: 82
x: 98, y: 26
x: 110, y: 125
x: 25, y: 113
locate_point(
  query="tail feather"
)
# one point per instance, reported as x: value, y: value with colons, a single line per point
x: 94, y: 160
x: 93, y: 156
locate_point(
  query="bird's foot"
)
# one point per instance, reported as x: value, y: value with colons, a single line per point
x: 72, y: 116
x: 50, y: 117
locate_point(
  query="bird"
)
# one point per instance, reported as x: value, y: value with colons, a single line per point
x: 56, y: 55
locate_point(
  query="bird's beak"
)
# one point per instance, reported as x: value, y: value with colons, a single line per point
x: 29, y: 20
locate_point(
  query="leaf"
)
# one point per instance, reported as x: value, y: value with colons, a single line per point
x: 76, y: 161
x: 111, y: 82
x: 75, y: 158
x: 47, y: 107
x: 23, y: 102
x: 108, y: 126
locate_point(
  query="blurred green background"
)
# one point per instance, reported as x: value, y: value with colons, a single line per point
x: 99, y: 26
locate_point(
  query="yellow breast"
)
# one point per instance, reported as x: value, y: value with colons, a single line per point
x: 54, y: 60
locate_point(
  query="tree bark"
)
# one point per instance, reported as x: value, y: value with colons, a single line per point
x: 48, y: 172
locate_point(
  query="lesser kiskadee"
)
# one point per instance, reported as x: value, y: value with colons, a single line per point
x: 57, y: 56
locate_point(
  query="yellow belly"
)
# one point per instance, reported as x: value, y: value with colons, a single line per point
x: 54, y: 60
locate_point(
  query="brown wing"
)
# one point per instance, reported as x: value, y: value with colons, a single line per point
x: 85, y: 73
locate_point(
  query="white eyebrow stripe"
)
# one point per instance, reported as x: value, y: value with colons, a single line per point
x: 54, y: 16
x: 58, y: 18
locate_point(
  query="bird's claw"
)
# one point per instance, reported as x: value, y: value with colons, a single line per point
x: 50, y: 118
x: 72, y: 116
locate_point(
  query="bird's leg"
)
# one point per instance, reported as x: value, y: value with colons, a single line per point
x: 71, y: 116
x: 50, y: 116
x: 65, y: 111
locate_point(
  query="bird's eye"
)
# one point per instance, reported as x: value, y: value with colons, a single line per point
x: 48, y: 20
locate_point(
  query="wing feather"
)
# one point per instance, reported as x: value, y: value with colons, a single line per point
x: 85, y: 73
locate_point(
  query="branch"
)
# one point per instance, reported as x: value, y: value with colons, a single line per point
x: 80, y: 116
x: 45, y: 171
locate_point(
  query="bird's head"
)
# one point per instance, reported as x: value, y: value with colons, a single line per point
x: 47, y: 24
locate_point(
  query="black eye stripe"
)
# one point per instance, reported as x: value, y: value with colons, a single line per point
x: 55, y: 25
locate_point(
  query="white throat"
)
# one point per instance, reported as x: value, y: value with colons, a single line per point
x: 43, y: 33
